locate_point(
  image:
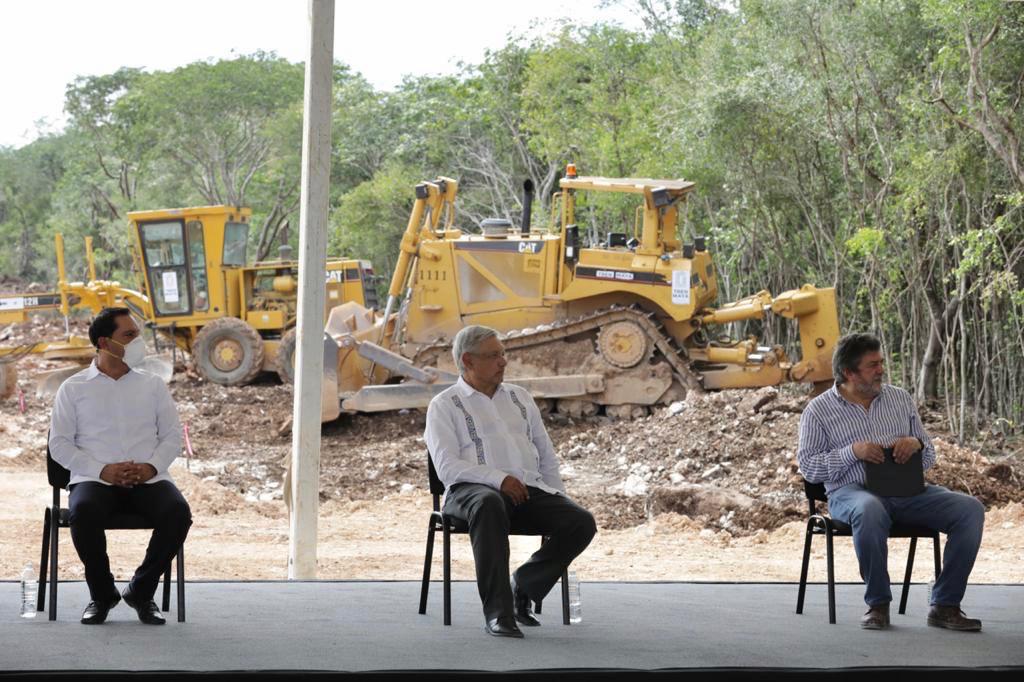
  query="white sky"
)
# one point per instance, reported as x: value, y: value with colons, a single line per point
x: 45, y: 44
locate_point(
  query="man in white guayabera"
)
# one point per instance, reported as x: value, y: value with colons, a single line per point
x: 492, y: 452
x: 117, y: 431
x: 852, y: 424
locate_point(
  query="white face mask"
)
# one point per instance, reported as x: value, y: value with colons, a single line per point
x: 134, y: 351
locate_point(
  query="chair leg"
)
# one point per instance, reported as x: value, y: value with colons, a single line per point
x: 830, y: 560
x: 44, y: 558
x: 428, y: 558
x: 166, y: 606
x: 906, y: 576
x: 447, y: 550
x: 54, y: 534
x: 538, y: 606
x: 181, y: 584
x: 803, y: 569
x: 565, y: 596
x: 938, y: 555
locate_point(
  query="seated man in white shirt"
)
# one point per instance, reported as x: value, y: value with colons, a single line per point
x: 117, y: 430
x: 492, y: 452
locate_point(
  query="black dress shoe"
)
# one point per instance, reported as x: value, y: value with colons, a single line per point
x: 96, y: 612
x: 503, y: 627
x: 523, y: 606
x: 147, y: 610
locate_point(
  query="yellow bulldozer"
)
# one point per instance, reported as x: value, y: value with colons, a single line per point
x: 619, y: 326
x: 196, y: 292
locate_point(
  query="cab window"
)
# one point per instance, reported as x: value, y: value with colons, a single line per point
x: 197, y: 261
x: 163, y: 244
x: 236, y: 236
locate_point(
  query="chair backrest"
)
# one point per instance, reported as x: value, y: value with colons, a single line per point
x: 58, y: 476
x: 815, y: 492
x: 436, y: 486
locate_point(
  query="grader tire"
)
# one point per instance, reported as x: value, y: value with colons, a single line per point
x: 286, y: 357
x: 228, y: 352
x: 8, y: 379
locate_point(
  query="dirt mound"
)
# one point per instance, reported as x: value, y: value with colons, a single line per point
x: 726, y: 460
x: 993, y: 482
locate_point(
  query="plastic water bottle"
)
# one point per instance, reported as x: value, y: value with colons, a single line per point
x: 29, y: 592
x: 575, y: 612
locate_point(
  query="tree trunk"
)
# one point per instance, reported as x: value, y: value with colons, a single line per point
x: 928, y: 382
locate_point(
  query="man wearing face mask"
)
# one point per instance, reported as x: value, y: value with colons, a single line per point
x: 117, y: 431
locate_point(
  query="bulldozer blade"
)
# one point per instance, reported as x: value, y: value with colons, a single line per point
x: 413, y: 395
x: 160, y: 365
x: 49, y: 381
x: 330, y: 405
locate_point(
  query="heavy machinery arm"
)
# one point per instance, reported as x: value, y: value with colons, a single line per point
x: 94, y: 295
x: 620, y: 326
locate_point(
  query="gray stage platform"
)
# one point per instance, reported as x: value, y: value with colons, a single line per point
x: 365, y: 626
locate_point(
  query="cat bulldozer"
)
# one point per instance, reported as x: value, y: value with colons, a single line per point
x: 617, y: 326
x: 196, y: 293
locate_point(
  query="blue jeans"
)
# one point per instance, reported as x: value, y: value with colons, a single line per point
x: 961, y: 517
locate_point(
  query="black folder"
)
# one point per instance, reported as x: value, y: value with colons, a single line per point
x: 890, y: 479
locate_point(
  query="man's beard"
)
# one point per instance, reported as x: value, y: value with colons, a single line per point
x: 868, y: 389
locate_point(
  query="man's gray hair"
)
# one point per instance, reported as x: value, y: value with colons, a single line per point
x: 468, y: 340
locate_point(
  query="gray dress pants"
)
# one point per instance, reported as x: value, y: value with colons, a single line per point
x: 492, y: 516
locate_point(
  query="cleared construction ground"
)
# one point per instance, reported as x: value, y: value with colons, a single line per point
x: 705, y: 490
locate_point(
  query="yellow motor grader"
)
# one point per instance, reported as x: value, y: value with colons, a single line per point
x: 196, y: 292
x: 620, y: 325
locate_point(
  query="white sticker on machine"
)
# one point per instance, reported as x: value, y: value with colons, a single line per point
x: 171, y: 286
x: 681, y: 287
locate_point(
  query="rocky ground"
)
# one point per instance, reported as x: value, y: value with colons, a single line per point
x: 705, y: 488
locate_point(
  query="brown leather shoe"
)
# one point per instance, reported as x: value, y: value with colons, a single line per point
x: 876, y: 618
x: 952, y: 618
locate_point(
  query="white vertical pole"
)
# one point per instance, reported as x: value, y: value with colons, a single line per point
x: 309, y: 359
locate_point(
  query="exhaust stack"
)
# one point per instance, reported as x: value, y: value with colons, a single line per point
x: 527, y: 207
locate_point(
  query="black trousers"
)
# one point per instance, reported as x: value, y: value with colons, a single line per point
x: 492, y: 516
x: 91, y: 505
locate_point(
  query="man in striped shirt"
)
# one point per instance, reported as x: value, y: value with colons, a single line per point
x: 849, y: 425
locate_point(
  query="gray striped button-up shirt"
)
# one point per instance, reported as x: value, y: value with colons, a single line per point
x: 831, y: 424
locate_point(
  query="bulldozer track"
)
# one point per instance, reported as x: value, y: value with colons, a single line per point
x: 673, y: 353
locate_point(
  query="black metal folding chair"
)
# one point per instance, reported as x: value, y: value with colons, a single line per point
x: 820, y: 523
x: 57, y: 517
x: 449, y: 525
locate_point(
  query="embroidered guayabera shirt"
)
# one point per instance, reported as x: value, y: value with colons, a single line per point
x: 831, y: 424
x: 476, y: 439
x: 98, y: 420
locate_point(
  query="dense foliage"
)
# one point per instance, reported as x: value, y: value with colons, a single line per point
x: 873, y: 146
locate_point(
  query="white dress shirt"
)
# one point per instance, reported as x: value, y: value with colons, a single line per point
x: 476, y: 439
x: 98, y: 420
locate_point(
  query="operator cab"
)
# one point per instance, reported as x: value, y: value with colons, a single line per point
x: 180, y: 248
